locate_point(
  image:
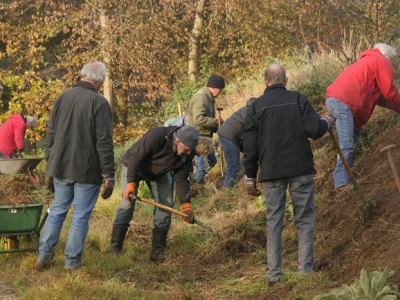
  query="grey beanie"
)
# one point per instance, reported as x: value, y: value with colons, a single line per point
x: 188, y: 135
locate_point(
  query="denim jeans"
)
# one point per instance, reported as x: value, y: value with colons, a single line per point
x: 201, y: 165
x: 301, y: 190
x: 82, y: 197
x: 161, y: 189
x: 232, y: 158
x: 347, y: 136
x: 2, y: 155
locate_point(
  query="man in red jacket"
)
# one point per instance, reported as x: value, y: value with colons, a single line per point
x: 352, y: 97
x: 12, y: 134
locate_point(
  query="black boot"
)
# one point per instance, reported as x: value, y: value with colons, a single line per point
x: 117, y: 239
x: 159, y: 239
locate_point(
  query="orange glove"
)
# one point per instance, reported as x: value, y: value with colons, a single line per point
x: 130, y: 189
x: 186, y: 208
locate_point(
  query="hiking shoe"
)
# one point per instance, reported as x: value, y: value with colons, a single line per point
x: 43, y: 265
x: 271, y: 283
x: 74, y: 266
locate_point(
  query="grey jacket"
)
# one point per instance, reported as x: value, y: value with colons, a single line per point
x: 79, y: 143
x: 202, y: 112
x: 233, y: 127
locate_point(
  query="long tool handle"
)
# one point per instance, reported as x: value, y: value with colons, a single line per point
x: 394, y: 170
x: 220, y: 146
x: 346, y: 165
x: 177, y: 212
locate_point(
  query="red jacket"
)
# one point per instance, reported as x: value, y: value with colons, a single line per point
x: 364, y: 84
x: 12, y: 134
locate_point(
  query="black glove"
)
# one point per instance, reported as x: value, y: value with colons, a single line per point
x: 49, y: 184
x: 251, y: 187
x: 329, y: 120
x: 108, y: 187
x: 187, y: 210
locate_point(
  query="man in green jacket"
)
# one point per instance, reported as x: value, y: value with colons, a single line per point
x: 202, y: 116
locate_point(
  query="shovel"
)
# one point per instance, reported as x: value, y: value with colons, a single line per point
x: 221, y: 153
x: 364, y: 209
x: 177, y: 212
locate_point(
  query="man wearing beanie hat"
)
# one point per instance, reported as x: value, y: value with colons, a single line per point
x: 161, y: 157
x: 202, y: 116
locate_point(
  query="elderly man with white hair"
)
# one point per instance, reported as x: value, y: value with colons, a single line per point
x: 352, y: 97
x: 12, y: 134
x: 79, y: 157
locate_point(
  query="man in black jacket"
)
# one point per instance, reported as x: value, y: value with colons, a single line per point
x: 80, y: 157
x: 161, y: 157
x: 278, y: 125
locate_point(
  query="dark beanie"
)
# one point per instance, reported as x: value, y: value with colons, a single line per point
x: 188, y: 135
x: 216, y: 81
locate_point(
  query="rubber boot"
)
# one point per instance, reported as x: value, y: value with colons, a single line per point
x: 117, y: 239
x: 159, y: 239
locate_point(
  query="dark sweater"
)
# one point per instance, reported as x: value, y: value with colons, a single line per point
x: 278, y: 125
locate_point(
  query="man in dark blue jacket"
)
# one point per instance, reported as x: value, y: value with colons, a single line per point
x: 162, y: 157
x: 230, y: 135
x: 80, y: 157
x: 278, y: 125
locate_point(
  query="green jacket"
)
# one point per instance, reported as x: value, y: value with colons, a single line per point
x: 202, y: 112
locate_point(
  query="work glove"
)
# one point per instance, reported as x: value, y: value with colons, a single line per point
x: 130, y: 191
x: 108, y: 187
x: 329, y: 120
x: 49, y: 184
x: 186, y: 208
x: 252, y: 187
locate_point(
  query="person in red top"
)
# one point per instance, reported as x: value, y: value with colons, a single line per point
x: 352, y: 97
x: 12, y: 134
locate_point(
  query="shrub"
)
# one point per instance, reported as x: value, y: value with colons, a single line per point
x: 371, y: 285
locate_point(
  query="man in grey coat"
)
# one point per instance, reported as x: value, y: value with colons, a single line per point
x: 230, y: 136
x: 80, y: 157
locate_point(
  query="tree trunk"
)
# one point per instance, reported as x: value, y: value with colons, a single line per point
x: 108, y: 90
x: 194, y: 46
x: 122, y: 101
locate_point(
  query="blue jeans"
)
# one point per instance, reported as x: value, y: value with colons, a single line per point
x: 301, y: 190
x: 2, y: 155
x: 161, y: 189
x: 232, y: 158
x: 201, y: 165
x: 347, y: 136
x: 82, y: 197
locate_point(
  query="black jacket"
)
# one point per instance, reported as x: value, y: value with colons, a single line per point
x: 278, y: 125
x: 154, y: 154
x: 79, y: 143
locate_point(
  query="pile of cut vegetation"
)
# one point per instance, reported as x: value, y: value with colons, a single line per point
x: 20, y: 189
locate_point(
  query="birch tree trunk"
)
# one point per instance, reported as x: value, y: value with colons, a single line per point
x: 194, y: 43
x: 108, y: 89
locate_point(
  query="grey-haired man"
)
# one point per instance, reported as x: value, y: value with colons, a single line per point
x: 80, y: 157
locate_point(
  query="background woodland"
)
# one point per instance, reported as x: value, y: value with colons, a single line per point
x: 158, y: 53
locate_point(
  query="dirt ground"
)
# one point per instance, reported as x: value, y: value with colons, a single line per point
x: 343, y: 244
x: 7, y: 292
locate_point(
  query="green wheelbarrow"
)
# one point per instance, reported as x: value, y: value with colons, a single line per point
x: 21, y: 221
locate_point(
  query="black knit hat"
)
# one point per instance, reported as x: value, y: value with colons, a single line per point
x: 188, y: 135
x: 216, y: 81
